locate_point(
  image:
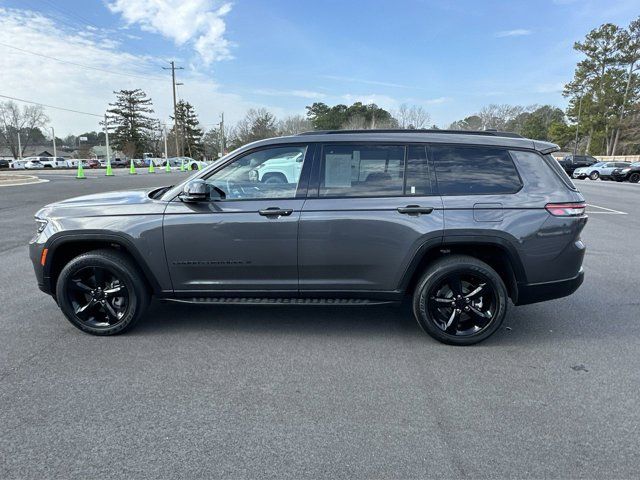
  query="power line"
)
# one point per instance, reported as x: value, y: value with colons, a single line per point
x: 144, y: 77
x: 50, y: 106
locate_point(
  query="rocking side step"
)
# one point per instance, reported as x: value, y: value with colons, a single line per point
x: 278, y: 301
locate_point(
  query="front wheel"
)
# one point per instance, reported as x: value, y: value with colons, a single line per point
x: 634, y: 177
x: 102, y: 292
x: 594, y: 175
x: 460, y: 300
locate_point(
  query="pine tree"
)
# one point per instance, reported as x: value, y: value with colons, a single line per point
x: 130, y: 121
x: 189, y: 132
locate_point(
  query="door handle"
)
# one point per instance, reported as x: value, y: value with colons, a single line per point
x: 276, y: 212
x: 415, y: 210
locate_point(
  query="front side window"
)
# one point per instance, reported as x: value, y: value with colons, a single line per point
x: 266, y: 173
x: 474, y: 170
x: 362, y: 171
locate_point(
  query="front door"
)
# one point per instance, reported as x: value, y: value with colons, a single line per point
x: 369, y: 211
x: 244, y: 239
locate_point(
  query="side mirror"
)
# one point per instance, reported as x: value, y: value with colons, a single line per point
x: 195, y: 191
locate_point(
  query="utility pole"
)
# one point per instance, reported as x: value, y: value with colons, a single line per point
x: 173, y: 69
x: 221, y: 135
x: 55, y: 154
x: 106, y: 139
x: 19, y: 147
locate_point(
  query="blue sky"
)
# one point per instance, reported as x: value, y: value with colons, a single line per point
x: 449, y: 57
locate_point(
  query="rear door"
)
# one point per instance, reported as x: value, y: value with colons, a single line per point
x: 370, y: 208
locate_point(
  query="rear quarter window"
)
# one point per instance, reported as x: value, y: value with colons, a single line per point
x: 462, y: 170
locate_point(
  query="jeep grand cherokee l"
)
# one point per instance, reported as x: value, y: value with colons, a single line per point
x: 460, y: 222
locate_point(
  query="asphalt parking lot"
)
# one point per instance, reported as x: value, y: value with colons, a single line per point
x: 322, y: 392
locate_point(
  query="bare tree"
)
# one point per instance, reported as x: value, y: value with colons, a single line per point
x: 412, y: 117
x: 256, y: 125
x: 293, y: 125
x: 497, y: 116
x: 14, y: 121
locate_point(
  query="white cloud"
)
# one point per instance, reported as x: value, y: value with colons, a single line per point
x: 48, y: 81
x: 518, y: 32
x: 436, y: 101
x: 196, y: 22
x: 556, y: 87
x: 384, y: 101
x: 366, y: 82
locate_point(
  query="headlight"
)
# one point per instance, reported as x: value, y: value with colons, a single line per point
x: 42, y: 224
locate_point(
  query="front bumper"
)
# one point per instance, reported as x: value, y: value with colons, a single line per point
x: 540, y: 292
x: 35, y: 254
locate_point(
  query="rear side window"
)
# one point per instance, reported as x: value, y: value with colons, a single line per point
x: 362, y: 171
x: 474, y: 171
x: 559, y: 171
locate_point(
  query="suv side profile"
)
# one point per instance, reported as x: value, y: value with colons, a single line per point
x: 461, y: 223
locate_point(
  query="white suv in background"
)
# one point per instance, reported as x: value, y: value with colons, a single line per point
x: 278, y: 170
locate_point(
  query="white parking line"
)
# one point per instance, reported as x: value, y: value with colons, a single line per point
x: 609, y: 211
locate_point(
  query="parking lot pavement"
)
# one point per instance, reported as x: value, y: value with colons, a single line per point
x: 295, y: 392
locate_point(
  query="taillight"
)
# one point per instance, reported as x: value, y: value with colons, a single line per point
x: 566, y: 209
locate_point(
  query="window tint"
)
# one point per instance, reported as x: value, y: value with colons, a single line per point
x: 474, y: 170
x: 418, y: 179
x: 361, y: 170
x: 266, y: 173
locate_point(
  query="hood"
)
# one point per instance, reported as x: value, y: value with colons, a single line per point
x: 108, y: 198
x: 126, y: 202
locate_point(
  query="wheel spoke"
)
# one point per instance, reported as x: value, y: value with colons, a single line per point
x: 482, y: 317
x: 476, y: 291
x: 84, y: 308
x: 110, y: 311
x: 114, y: 289
x: 452, y: 323
x: 80, y: 285
x: 442, y: 300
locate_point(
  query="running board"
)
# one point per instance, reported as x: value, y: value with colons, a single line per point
x: 278, y: 301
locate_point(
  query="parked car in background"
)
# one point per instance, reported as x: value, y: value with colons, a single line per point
x: 4, y: 163
x: 598, y: 170
x: 44, y: 162
x: 571, y: 162
x: 630, y: 173
x: 33, y: 163
x: 278, y: 170
x: 93, y: 163
x: 115, y: 162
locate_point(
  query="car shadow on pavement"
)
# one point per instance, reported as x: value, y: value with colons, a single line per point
x: 532, y: 325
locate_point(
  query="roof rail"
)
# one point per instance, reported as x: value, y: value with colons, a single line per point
x: 493, y: 133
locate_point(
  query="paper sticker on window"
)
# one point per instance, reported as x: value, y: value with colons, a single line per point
x: 337, y: 170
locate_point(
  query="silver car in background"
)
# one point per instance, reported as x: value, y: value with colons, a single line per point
x: 598, y: 170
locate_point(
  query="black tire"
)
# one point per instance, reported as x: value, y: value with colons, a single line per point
x: 594, y: 175
x: 466, y: 268
x: 71, y: 291
x: 274, y: 177
x: 634, y: 177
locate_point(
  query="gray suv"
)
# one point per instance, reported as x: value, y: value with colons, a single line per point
x: 459, y: 222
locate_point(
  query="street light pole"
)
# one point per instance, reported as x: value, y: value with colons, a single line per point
x: 19, y: 147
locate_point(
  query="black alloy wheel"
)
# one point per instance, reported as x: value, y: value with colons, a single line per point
x: 634, y: 177
x: 102, y: 292
x: 462, y: 303
x: 460, y: 300
x: 99, y: 298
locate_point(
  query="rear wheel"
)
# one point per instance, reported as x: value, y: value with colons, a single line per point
x: 460, y: 300
x: 102, y: 292
x: 594, y: 175
x: 634, y: 177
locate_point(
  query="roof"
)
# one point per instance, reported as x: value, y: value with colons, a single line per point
x: 488, y: 138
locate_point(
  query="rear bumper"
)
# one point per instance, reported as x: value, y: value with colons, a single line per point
x: 540, y: 292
